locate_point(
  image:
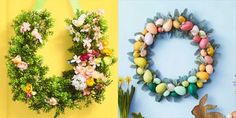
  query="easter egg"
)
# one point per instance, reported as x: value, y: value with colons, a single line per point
x: 159, y: 22
x: 138, y: 45
x: 140, y: 70
x: 144, y: 32
x: 136, y: 54
x: 170, y: 87
x: 195, y: 30
x: 209, y: 69
x: 180, y: 90
x: 148, y: 39
x: 188, y: 25
x: 151, y: 28
x: 208, y: 59
x: 141, y: 62
x: 185, y: 83
x: 176, y: 24
x: 192, y: 79
x: 197, y: 38
x: 203, y: 52
x: 161, y: 88
x: 210, y: 51
x: 181, y: 19
x: 202, y: 34
x: 192, y: 90
x: 203, y: 43
x: 157, y: 81
x: 199, y: 84
x: 143, y: 53
x: 202, y: 67
x: 147, y: 76
x: 166, y: 93
x: 202, y: 76
x: 151, y: 87
x: 167, y: 26
x: 139, y: 37
x: 160, y: 29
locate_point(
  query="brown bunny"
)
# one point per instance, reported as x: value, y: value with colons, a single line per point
x: 200, y: 111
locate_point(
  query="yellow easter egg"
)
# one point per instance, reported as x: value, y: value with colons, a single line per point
x: 181, y: 19
x: 202, y: 76
x: 210, y: 51
x: 136, y: 54
x: 138, y: 45
x: 176, y: 24
x: 199, y: 84
x: 202, y: 68
x: 161, y: 88
x: 144, y: 32
x: 141, y: 62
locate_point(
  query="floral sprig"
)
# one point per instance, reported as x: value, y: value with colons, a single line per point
x: 83, y: 84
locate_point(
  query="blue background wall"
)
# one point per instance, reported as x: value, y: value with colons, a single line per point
x: 175, y: 57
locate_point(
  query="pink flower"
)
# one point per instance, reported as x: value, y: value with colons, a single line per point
x: 36, y: 34
x: 85, y: 57
x: 22, y: 66
x: 100, y: 46
x: 86, y: 91
x: 25, y: 27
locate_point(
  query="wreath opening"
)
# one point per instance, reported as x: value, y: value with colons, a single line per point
x: 77, y: 88
x: 183, y: 25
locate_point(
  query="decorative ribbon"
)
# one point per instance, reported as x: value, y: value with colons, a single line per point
x: 75, y: 5
x: 39, y: 5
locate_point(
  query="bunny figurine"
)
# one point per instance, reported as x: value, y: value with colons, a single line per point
x: 200, y: 111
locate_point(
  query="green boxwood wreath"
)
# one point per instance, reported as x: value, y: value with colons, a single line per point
x: 78, y: 87
x: 183, y: 25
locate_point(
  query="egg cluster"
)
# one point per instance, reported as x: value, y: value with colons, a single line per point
x: 184, y: 24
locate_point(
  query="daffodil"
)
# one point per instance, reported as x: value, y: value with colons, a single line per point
x: 121, y: 81
x: 128, y: 79
x: 28, y: 88
x: 90, y: 82
x: 107, y: 51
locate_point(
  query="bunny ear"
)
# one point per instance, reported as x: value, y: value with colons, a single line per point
x: 210, y: 107
x: 203, y: 100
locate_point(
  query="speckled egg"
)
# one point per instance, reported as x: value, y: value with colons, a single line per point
x: 203, y: 52
x: 192, y: 79
x: 143, y: 53
x: 176, y: 24
x: 197, y: 39
x: 170, y: 87
x: 209, y: 69
x: 167, y: 26
x: 161, y: 88
x: 157, y: 81
x: 147, y: 76
x: 180, y: 90
x: 195, y: 30
x: 208, y: 59
x: 139, y: 37
x: 185, y: 83
x: 148, y: 39
x: 140, y: 70
x: 151, y: 28
x: 203, y: 43
x: 188, y: 25
x: 159, y: 22
x: 166, y: 93
x: 202, y: 34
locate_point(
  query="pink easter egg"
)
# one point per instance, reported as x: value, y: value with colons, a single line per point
x: 151, y: 28
x: 196, y: 38
x: 203, y: 43
x: 209, y: 69
x: 188, y: 25
x: 208, y: 59
x: 160, y: 29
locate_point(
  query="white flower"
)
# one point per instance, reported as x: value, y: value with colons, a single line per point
x: 85, y: 28
x: 25, y: 27
x: 79, y: 21
x: 52, y: 101
x: 100, y: 12
x: 100, y: 46
x: 79, y: 82
x: 76, y: 59
x: 36, y: 34
x: 87, y: 42
x: 71, y: 29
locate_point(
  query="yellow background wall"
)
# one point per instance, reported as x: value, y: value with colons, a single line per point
x: 55, y: 55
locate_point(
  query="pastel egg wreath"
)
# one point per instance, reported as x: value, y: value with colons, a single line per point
x: 76, y: 88
x: 183, y: 25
